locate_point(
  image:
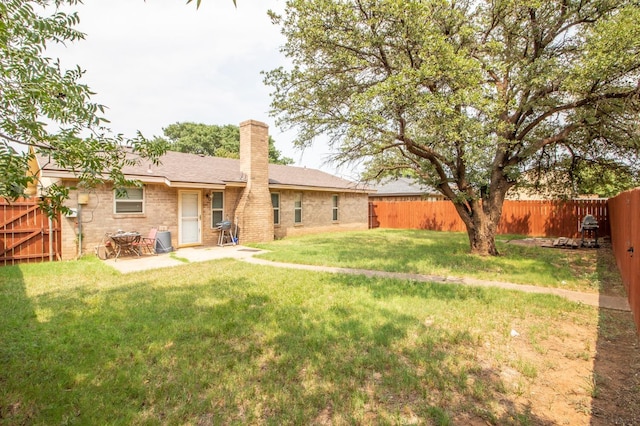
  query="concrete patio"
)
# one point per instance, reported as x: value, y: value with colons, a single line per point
x: 181, y: 256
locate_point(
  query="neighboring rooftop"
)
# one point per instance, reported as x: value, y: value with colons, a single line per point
x: 403, y: 187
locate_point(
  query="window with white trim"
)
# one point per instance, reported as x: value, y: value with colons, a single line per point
x: 275, y: 202
x: 217, y: 208
x: 128, y: 200
x: 297, y: 207
x: 334, y: 213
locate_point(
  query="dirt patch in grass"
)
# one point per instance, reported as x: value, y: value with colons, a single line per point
x: 575, y: 374
x: 595, y: 379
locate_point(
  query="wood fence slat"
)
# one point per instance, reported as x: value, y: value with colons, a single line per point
x: 625, y: 240
x: 16, y: 243
x: 14, y: 218
x: 26, y: 232
x: 533, y: 218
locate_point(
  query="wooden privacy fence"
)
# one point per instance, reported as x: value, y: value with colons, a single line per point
x: 27, y: 234
x: 625, y: 240
x: 534, y: 218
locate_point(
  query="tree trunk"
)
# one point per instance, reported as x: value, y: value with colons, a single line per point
x: 482, y: 235
x: 481, y: 218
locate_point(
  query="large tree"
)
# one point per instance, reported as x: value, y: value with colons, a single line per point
x: 46, y: 109
x: 218, y: 141
x: 472, y: 96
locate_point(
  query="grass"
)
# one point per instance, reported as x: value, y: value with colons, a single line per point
x: 225, y: 342
x: 173, y: 255
x: 442, y: 253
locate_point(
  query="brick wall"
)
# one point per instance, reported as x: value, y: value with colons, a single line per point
x: 209, y: 232
x: 317, y: 210
x: 98, y: 217
x: 161, y: 211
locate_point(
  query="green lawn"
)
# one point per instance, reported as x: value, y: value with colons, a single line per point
x: 225, y: 342
x: 442, y: 253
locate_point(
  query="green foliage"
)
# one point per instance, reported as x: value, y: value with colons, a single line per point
x: 473, y: 97
x: 47, y: 110
x: 218, y: 141
x: 195, y: 138
x: 604, y: 180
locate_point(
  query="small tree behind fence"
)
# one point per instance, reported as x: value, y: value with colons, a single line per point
x: 533, y: 218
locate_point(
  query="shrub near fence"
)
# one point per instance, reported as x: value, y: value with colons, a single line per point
x: 534, y: 218
x: 625, y: 240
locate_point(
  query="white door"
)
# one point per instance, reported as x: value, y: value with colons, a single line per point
x: 190, y: 218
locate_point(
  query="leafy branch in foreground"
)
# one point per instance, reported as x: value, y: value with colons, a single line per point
x: 46, y: 110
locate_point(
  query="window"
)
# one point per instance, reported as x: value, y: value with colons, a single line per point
x: 217, y: 208
x: 334, y: 201
x: 129, y: 200
x: 275, y: 202
x: 297, y: 208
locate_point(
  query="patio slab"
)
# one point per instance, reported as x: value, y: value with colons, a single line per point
x: 179, y: 257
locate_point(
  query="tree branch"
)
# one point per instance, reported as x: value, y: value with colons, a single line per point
x: 542, y: 143
x: 18, y: 141
x: 575, y: 105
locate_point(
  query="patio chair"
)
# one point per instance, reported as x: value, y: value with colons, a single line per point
x: 147, y: 244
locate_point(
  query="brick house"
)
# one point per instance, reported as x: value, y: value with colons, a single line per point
x: 188, y: 194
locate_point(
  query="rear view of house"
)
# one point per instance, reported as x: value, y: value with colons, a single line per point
x: 188, y: 195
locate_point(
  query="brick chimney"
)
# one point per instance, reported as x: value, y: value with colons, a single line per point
x: 254, y: 210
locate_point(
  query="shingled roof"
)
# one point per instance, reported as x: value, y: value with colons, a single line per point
x: 403, y: 186
x: 181, y: 169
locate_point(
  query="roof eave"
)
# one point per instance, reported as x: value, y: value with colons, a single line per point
x: 64, y: 174
x: 317, y: 188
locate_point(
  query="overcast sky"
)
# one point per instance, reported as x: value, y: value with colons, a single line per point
x: 159, y: 62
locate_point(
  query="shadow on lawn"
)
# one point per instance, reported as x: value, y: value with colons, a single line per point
x: 617, y: 362
x: 437, y: 253
x: 230, y: 349
x: 19, y: 334
x: 133, y: 354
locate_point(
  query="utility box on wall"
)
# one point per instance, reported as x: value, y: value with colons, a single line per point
x: 83, y: 198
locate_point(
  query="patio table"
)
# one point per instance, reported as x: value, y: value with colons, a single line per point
x: 124, y: 243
